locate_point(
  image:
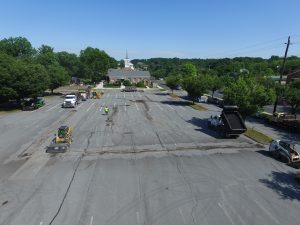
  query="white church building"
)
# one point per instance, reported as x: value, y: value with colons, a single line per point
x: 128, y: 64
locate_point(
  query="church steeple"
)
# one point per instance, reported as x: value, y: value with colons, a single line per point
x: 126, y: 54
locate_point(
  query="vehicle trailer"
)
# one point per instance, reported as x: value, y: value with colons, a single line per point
x: 229, y: 124
x: 282, y: 120
x: 32, y: 103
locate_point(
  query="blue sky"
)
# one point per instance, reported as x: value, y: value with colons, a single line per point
x: 165, y: 28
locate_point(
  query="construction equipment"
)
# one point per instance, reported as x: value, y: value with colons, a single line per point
x: 229, y: 124
x: 285, y: 151
x: 32, y: 103
x: 61, y: 141
x: 83, y: 94
x: 96, y: 94
x: 70, y: 101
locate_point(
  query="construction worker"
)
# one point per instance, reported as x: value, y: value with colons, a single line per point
x: 106, y: 110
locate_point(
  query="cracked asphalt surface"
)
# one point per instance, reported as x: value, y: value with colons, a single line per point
x: 152, y: 160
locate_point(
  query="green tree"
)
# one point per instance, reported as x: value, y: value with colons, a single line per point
x: 188, y: 69
x: 215, y: 83
x: 195, y: 86
x: 58, y: 76
x: 292, y: 97
x: 70, y: 62
x: 122, y: 63
x: 248, y: 95
x: 126, y: 83
x: 7, y: 77
x: 31, y: 80
x: 291, y: 94
x: 18, y: 47
x: 94, y: 63
x: 173, y: 81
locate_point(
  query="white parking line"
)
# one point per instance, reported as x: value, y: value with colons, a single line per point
x: 91, y: 221
x: 132, y: 95
x: 90, y: 106
x: 170, y: 107
x: 114, y: 104
x: 61, y: 110
x: 124, y: 95
x: 140, y: 94
x: 79, y: 106
x: 136, y: 106
x: 125, y: 106
x: 53, y: 107
x: 159, y: 106
x: 41, y: 223
x: 116, y: 95
x: 182, y: 107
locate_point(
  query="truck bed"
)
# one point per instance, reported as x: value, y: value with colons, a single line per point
x: 232, y: 120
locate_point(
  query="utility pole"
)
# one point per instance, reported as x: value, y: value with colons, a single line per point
x: 281, y: 74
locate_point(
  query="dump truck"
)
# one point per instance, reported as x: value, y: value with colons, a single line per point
x: 83, y: 94
x: 285, y: 151
x: 32, y: 103
x: 61, y: 141
x: 229, y: 124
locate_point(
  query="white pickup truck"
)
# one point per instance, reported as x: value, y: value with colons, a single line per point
x: 70, y: 101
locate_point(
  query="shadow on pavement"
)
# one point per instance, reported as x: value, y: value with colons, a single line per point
x: 202, y: 124
x: 162, y: 94
x: 284, y: 184
x: 284, y: 133
x: 178, y: 103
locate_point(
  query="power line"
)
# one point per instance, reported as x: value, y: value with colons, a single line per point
x: 253, y: 46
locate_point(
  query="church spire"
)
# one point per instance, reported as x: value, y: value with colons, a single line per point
x: 126, y: 54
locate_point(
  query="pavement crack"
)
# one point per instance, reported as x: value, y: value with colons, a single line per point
x: 179, y: 169
x: 76, y: 165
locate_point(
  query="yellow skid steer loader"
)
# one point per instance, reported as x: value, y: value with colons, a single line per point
x: 61, y: 141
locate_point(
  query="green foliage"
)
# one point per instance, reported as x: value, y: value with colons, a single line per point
x: 140, y: 84
x: 122, y: 63
x: 188, y: 69
x: 69, y: 62
x: 292, y: 97
x: 31, y: 80
x: 195, y: 86
x: 7, y: 77
x: 126, y: 83
x: 214, y: 82
x: 248, y: 95
x: 58, y: 76
x: 26, y: 72
x: 295, y: 83
x: 18, y: 47
x: 94, y: 63
x: 173, y: 81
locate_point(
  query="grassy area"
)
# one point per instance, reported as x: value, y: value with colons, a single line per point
x: 258, y: 136
x: 198, y: 107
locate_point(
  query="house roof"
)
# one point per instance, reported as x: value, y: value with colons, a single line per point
x: 123, y: 74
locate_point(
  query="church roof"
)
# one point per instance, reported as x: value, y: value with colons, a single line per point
x: 124, y: 74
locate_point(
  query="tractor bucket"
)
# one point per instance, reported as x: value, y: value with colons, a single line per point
x: 57, y: 148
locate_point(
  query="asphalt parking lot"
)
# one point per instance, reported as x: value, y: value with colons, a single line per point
x: 152, y: 160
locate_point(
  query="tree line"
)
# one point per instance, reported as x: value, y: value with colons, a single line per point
x: 247, y: 90
x: 164, y: 67
x: 28, y: 72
